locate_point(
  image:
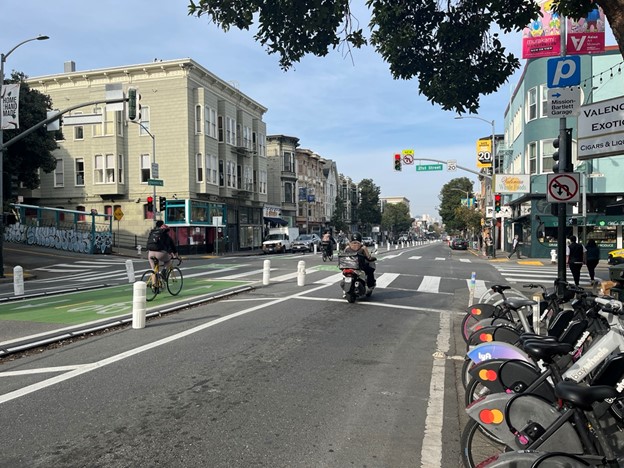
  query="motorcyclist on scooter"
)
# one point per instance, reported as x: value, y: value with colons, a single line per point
x: 357, y: 247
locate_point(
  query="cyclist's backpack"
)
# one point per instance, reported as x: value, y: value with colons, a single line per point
x: 155, y: 241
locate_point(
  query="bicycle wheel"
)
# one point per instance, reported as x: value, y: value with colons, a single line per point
x: 175, y: 281
x: 151, y: 279
x: 475, y: 390
x: 476, y: 446
x: 465, y: 372
x: 324, y: 257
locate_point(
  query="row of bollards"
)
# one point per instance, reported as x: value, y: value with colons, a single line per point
x: 139, y: 302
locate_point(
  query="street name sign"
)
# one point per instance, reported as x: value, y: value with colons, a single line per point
x: 428, y: 167
x: 155, y: 182
x: 82, y: 119
x: 563, y: 102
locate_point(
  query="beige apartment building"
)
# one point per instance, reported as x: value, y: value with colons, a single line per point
x: 198, y: 135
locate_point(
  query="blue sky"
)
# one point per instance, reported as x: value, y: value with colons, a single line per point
x: 348, y: 109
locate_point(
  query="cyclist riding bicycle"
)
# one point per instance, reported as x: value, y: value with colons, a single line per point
x: 161, y: 245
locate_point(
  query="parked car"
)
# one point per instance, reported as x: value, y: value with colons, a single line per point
x: 459, y: 244
x: 616, y: 257
x: 368, y: 241
x: 306, y: 243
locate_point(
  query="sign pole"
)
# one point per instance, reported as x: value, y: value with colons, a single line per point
x: 563, y: 164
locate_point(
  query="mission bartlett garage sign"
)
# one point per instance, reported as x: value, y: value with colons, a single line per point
x: 601, y: 129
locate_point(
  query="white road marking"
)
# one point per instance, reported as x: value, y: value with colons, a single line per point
x: 384, y: 280
x: 84, y: 368
x: 430, y: 284
x: 440, y: 259
x: 431, y: 453
x: 465, y: 260
x: 417, y: 257
x: 330, y: 279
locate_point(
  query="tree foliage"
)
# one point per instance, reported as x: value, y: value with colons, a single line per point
x: 368, y: 211
x: 452, y: 48
x: 339, y: 215
x: 396, y: 218
x: 450, y: 200
x: 25, y: 157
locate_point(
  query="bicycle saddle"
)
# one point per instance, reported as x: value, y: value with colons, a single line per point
x: 499, y: 288
x: 515, y: 303
x: 546, y: 350
x: 583, y: 396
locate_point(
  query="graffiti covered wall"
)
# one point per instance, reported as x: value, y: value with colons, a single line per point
x: 62, y: 239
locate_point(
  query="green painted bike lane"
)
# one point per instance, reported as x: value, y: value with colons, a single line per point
x: 79, y: 307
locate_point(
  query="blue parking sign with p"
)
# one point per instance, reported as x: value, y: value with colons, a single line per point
x: 564, y: 71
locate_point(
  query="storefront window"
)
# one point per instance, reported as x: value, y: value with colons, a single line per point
x: 199, y: 212
x: 605, y: 236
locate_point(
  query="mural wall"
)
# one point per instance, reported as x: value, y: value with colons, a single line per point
x: 61, y: 239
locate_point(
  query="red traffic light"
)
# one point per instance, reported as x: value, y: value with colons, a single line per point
x: 497, y: 197
x: 397, y: 162
x: 150, y: 199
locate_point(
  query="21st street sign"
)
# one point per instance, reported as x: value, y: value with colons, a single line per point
x: 428, y: 167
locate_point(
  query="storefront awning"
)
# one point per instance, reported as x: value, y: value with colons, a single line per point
x: 278, y: 221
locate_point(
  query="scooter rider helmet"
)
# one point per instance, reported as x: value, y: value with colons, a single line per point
x: 356, y: 237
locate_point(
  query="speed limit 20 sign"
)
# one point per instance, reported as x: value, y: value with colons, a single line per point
x: 484, y: 153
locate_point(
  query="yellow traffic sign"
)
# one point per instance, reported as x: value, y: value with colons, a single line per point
x: 118, y: 214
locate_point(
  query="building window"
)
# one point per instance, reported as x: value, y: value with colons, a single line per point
x: 107, y: 127
x: 221, y: 130
x: 248, y: 178
x: 78, y: 129
x: 120, y: 167
x: 211, y: 122
x: 80, y: 217
x: 146, y: 168
x: 289, y: 163
x: 261, y: 145
x: 145, y: 121
x: 531, y: 104
x: 221, y: 174
x: 532, y: 155
x: 59, y: 172
x: 104, y: 169
x: 547, y: 160
x: 230, y: 131
x: 289, y: 192
x: 80, y: 172
x: 263, y: 182
x: 211, y: 169
x: 198, y: 118
x: 544, y: 102
x: 199, y: 161
x: 231, y: 179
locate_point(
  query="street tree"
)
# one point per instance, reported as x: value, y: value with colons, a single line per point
x: 450, y: 199
x: 26, y: 157
x: 452, y: 48
x: 396, y: 218
x: 339, y: 215
x: 368, y: 211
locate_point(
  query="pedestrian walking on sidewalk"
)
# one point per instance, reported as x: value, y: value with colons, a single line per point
x: 515, y: 247
x: 592, y: 256
x: 575, y: 258
x: 488, y: 245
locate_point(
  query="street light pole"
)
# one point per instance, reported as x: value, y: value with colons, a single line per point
x: 492, y: 123
x: 3, y: 58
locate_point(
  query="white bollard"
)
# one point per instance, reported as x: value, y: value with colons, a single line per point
x: 266, y: 272
x: 471, y: 289
x: 139, y: 304
x: 18, y: 280
x: 388, y: 244
x: 130, y: 271
x: 138, y: 247
x: 376, y: 246
x: 301, y: 273
x: 315, y: 249
x: 396, y: 246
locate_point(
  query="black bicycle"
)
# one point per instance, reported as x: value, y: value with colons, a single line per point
x: 156, y: 280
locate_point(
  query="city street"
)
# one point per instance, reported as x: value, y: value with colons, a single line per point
x: 280, y: 376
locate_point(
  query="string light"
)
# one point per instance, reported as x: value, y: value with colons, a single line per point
x: 610, y: 70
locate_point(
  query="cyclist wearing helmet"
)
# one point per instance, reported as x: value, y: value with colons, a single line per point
x: 357, y: 247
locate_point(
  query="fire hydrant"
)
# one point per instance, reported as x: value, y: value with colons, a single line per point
x: 138, y: 247
x: 553, y: 256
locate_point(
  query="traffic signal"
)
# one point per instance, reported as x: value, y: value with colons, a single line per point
x: 397, y: 162
x: 563, y: 156
x: 497, y: 202
x: 134, y: 105
x: 162, y: 204
x: 150, y: 203
x: 14, y: 187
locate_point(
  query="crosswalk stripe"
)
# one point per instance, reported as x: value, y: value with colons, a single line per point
x: 417, y: 257
x: 439, y: 259
x: 465, y: 260
x: 330, y: 279
x: 384, y: 280
x: 430, y: 284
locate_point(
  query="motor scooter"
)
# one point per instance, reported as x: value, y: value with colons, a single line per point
x: 353, y: 281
